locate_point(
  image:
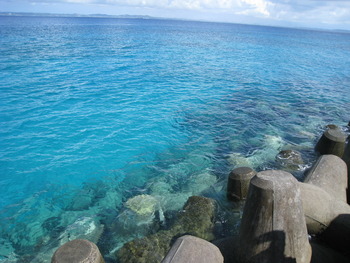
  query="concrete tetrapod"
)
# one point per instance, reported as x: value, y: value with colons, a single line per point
x: 192, y: 249
x: 346, y: 158
x: 77, y: 251
x: 330, y: 174
x: 238, y: 183
x: 332, y: 142
x: 273, y: 226
x: 326, y: 216
x: 320, y: 208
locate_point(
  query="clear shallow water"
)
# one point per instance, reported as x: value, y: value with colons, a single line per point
x: 96, y: 111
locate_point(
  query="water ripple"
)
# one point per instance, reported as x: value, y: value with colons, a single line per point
x: 96, y: 111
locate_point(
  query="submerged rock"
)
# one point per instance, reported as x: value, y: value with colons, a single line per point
x: 200, y: 182
x: 195, y: 162
x: 82, y: 228
x: 142, y: 204
x: 160, y: 188
x: 290, y: 160
x: 81, y: 202
x: 271, y: 146
x: 238, y: 160
x: 174, y: 201
x: 196, y: 219
x: 85, y: 227
x: 139, y: 216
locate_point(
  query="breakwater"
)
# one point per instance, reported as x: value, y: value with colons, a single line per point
x: 283, y: 220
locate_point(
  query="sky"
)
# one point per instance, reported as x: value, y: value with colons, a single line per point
x: 325, y: 14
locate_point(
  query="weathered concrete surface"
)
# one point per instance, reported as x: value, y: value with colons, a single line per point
x: 327, y: 217
x: 320, y: 208
x: 273, y: 225
x: 196, y: 218
x: 77, y: 251
x: 192, y: 249
x: 332, y: 142
x: 329, y: 173
x: 238, y: 183
x: 346, y: 158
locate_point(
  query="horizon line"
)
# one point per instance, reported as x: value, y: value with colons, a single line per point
x: 127, y: 16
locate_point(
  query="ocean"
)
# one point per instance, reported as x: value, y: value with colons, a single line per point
x: 97, y: 111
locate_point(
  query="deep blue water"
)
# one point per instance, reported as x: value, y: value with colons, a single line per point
x: 96, y: 111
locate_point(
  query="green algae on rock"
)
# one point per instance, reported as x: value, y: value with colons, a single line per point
x: 196, y: 218
x: 142, y: 204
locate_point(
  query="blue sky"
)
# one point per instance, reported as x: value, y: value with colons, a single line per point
x: 296, y: 13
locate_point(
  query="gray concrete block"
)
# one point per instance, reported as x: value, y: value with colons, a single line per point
x: 321, y: 210
x: 77, y: 251
x: 346, y: 158
x: 273, y: 227
x: 190, y: 249
x: 330, y: 174
x: 332, y: 142
x: 238, y: 183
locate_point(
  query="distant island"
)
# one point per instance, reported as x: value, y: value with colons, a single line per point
x: 78, y: 15
x: 126, y: 16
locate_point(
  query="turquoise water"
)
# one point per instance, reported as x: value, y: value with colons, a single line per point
x: 94, y: 112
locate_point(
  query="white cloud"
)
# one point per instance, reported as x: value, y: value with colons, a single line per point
x: 232, y: 5
x: 179, y: 4
x: 257, y: 6
x: 314, y: 13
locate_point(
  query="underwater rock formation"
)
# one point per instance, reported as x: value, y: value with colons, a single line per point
x: 271, y: 147
x: 137, y: 219
x: 142, y: 204
x: 196, y: 219
x: 88, y: 228
x: 199, y: 182
x: 290, y: 160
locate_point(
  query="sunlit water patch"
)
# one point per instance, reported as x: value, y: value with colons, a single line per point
x: 109, y: 125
